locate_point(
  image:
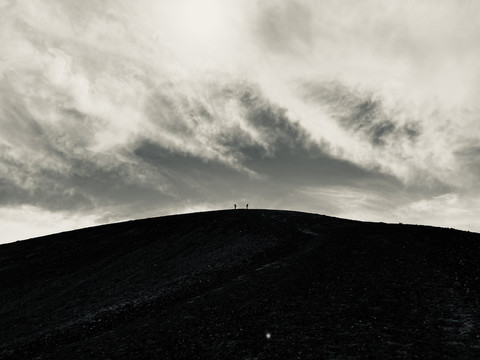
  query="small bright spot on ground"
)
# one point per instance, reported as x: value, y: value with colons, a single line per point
x: 268, y: 335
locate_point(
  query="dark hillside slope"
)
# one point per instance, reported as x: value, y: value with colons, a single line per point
x: 212, y: 285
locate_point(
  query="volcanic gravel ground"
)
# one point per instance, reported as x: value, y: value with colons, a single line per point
x: 213, y: 285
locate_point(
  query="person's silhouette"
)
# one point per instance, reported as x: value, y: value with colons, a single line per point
x: 235, y: 206
x: 247, y: 206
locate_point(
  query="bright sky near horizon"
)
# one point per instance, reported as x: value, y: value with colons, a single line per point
x: 116, y: 110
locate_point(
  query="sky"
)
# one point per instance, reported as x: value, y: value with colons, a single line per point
x: 118, y: 110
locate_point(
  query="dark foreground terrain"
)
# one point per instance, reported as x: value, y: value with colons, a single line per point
x: 213, y: 285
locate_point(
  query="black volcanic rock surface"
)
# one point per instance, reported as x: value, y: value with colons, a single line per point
x: 212, y: 286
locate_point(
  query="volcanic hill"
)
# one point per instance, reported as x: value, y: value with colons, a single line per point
x: 242, y: 284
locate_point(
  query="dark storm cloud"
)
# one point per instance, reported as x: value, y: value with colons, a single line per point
x: 272, y: 145
x: 361, y: 113
x: 282, y: 176
x: 57, y: 172
x: 196, y: 180
x: 261, y: 129
x: 82, y: 184
x: 187, y: 174
x: 26, y: 183
x: 47, y: 191
x: 294, y: 157
x: 279, y: 132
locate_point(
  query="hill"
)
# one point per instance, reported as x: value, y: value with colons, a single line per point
x: 256, y: 284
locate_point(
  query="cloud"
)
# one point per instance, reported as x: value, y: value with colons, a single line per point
x: 284, y: 27
x: 115, y: 110
x: 362, y: 113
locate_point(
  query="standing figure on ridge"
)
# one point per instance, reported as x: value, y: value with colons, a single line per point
x: 235, y: 206
x: 246, y: 207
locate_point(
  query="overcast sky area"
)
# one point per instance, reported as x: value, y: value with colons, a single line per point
x: 118, y: 110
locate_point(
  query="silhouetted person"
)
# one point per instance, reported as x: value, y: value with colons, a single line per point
x: 235, y: 206
x: 247, y: 206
